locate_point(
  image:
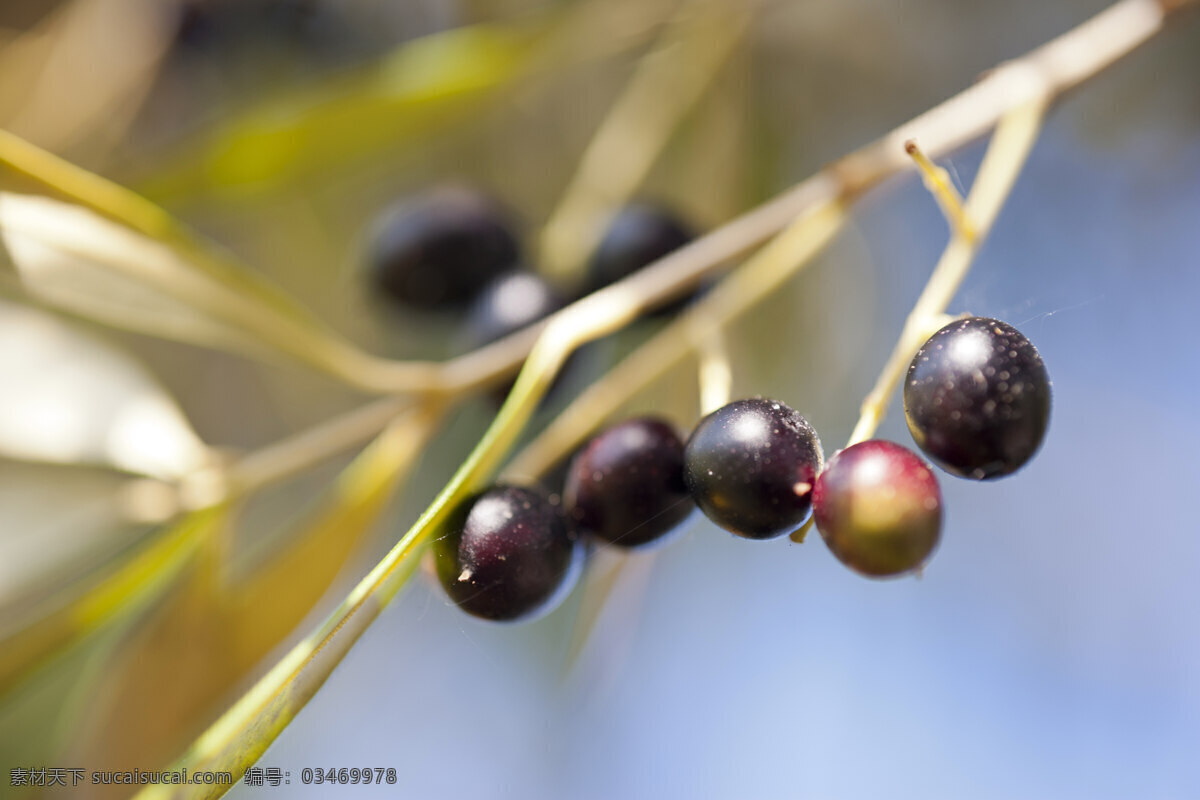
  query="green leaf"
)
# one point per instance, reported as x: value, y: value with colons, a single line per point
x: 168, y: 284
x: 212, y: 633
x: 72, y: 259
x: 421, y: 87
x: 118, y: 593
x: 38, y: 719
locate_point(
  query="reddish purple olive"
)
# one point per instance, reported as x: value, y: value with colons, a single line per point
x: 751, y: 466
x: 625, y: 486
x: 977, y: 398
x: 508, y: 554
x: 878, y: 508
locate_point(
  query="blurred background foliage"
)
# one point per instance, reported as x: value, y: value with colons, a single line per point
x: 1048, y: 652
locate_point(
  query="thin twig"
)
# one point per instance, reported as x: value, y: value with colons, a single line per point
x: 1045, y: 73
x: 715, y: 371
x: 666, y: 85
x: 970, y: 224
x: 1041, y: 76
x: 295, y: 453
x: 937, y: 181
x: 1010, y: 147
x: 762, y: 274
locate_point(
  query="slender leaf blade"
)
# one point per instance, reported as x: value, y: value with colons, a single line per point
x: 417, y: 89
x: 140, y: 577
x: 210, y: 635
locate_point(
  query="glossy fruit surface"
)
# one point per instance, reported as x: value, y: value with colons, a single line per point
x: 509, y: 303
x: 878, y: 508
x: 441, y: 249
x: 638, y: 235
x: 625, y: 486
x: 505, y: 306
x: 751, y: 466
x: 508, y: 554
x: 977, y: 398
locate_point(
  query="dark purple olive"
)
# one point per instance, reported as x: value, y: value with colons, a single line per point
x: 977, y: 398
x: 508, y: 554
x: 625, y: 486
x: 751, y: 467
x: 638, y: 235
x: 441, y: 249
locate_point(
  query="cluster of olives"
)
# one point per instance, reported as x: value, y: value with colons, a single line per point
x: 976, y: 398
x: 454, y: 249
x: 977, y: 401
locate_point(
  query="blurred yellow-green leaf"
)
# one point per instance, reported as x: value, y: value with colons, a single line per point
x: 38, y: 719
x: 134, y: 578
x: 173, y: 676
x: 419, y: 88
x: 70, y: 257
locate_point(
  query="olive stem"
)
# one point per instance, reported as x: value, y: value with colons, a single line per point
x: 762, y: 274
x: 223, y: 479
x: 1038, y: 77
x: 667, y: 83
x: 1006, y: 155
x: 1041, y: 75
x: 715, y: 371
x: 937, y: 181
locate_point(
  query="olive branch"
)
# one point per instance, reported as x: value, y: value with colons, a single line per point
x: 788, y: 233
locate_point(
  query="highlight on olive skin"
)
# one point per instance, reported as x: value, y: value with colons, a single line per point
x: 438, y: 250
x: 751, y: 466
x: 977, y: 398
x: 513, y: 301
x: 508, y: 554
x: 625, y: 486
x: 508, y: 304
x: 878, y: 507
